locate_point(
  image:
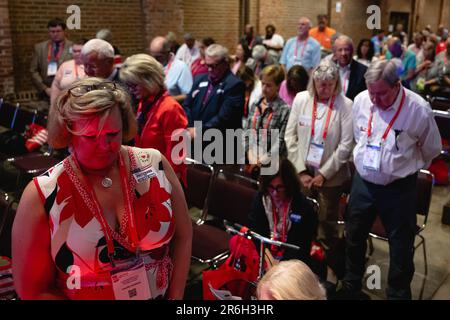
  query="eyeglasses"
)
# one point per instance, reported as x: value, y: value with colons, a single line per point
x: 80, y: 90
x: 279, y: 188
x: 215, y: 65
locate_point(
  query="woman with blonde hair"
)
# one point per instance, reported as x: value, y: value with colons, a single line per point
x: 290, y: 280
x: 109, y: 221
x: 159, y: 115
x: 319, y: 140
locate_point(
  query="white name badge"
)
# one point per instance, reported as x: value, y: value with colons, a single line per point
x: 52, y: 68
x: 130, y: 282
x: 203, y: 84
x: 304, y: 121
x: 143, y: 174
x: 315, y: 154
x: 372, y: 158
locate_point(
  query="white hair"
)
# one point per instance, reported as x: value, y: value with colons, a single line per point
x: 346, y: 39
x: 217, y: 51
x: 384, y: 70
x: 259, y: 52
x: 103, y: 48
x: 104, y: 34
x: 326, y: 70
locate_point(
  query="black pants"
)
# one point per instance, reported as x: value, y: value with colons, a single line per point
x: 396, y: 205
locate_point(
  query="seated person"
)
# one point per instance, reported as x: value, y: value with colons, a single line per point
x: 281, y: 212
x: 290, y: 280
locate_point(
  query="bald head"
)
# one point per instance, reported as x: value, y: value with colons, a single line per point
x: 160, y: 49
x: 303, y: 27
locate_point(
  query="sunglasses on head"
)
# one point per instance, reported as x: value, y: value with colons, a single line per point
x: 82, y: 89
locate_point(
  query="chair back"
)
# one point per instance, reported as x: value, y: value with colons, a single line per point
x: 199, y: 180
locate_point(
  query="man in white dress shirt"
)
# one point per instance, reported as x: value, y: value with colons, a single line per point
x: 396, y: 136
x: 189, y: 51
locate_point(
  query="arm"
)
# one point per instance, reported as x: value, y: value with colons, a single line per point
x: 31, y: 244
x: 291, y: 138
x: 56, y: 88
x: 34, y: 70
x: 342, y: 154
x: 182, y: 240
x: 430, y: 142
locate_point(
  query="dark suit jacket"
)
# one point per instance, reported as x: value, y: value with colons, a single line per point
x: 224, y: 107
x: 39, y: 63
x: 356, y: 83
x: 300, y: 234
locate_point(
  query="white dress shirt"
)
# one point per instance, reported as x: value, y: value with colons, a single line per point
x: 411, y: 144
x: 344, y: 73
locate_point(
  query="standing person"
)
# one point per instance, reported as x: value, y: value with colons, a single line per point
x: 323, y: 33
x: 365, y: 52
x: 396, y: 136
x: 178, y: 75
x: 296, y: 81
x: 69, y: 72
x: 242, y: 54
x: 273, y: 42
x: 249, y: 38
x: 378, y: 42
x: 407, y: 57
x: 302, y: 49
x: 319, y: 140
x: 115, y: 212
x: 158, y: 114
x: 48, y: 56
x: 198, y: 66
x: 189, y: 50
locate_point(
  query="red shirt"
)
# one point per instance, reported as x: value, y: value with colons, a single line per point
x: 197, y: 67
x: 441, y: 47
x: 165, y: 116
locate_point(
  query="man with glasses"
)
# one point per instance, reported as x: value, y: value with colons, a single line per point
x: 178, y: 75
x: 48, y: 56
x: 216, y: 98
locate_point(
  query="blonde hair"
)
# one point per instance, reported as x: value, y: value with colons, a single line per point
x: 142, y: 69
x: 292, y: 280
x: 274, y: 71
x: 96, y: 103
x: 326, y: 70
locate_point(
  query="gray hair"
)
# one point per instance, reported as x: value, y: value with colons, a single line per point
x: 259, y: 52
x: 326, y: 70
x: 104, y: 34
x: 384, y: 70
x: 103, y: 48
x: 345, y: 38
x: 217, y: 51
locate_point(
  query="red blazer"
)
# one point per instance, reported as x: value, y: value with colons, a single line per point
x: 162, y: 119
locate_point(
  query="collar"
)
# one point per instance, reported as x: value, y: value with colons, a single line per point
x: 397, y: 101
x: 113, y: 74
x: 346, y: 68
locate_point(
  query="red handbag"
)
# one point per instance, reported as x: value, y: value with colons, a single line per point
x: 237, y: 274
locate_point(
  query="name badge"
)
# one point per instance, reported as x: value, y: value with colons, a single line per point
x: 52, y: 68
x: 295, y: 217
x: 143, y: 174
x: 315, y: 154
x: 372, y: 158
x: 304, y: 121
x: 203, y: 84
x: 130, y: 281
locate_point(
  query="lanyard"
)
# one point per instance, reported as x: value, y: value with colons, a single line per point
x: 345, y: 84
x: 255, y: 116
x: 169, y: 65
x: 314, y: 115
x: 50, y: 50
x: 247, y: 99
x: 369, y: 126
x: 284, y: 221
x: 305, y: 43
x: 128, y: 208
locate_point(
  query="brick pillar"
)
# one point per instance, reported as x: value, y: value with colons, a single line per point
x: 6, y: 62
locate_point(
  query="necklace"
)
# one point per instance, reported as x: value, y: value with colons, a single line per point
x: 321, y: 116
x: 107, y: 182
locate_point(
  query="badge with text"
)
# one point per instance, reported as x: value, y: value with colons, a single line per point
x: 130, y: 281
x: 372, y: 158
x: 315, y: 154
x: 144, y: 173
x: 52, y: 68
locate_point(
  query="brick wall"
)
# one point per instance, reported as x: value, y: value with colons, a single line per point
x: 6, y: 69
x: 28, y: 20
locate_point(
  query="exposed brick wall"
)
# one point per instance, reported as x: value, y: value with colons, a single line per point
x: 6, y: 69
x: 29, y: 25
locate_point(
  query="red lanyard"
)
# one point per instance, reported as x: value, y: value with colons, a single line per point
x: 247, y: 99
x: 284, y: 222
x: 314, y: 114
x: 305, y: 43
x: 50, y: 50
x: 269, y: 118
x: 128, y: 208
x: 169, y: 65
x: 386, y: 132
x: 346, y: 82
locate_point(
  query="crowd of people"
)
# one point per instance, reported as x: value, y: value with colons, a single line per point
x: 342, y: 115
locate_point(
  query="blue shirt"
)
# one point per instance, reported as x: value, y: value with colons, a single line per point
x: 377, y: 44
x: 296, y: 53
x: 408, y: 62
x: 178, y: 78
